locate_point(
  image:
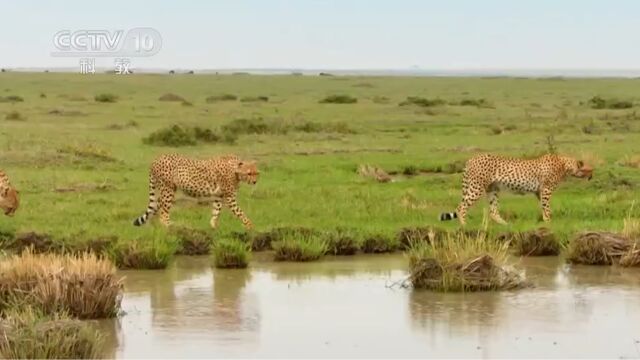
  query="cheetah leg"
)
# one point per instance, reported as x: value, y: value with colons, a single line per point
x: 469, y: 196
x: 165, y: 202
x: 231, y: 203
x: 215, y: 212
x: 545, y: 203
x: 494, y: 211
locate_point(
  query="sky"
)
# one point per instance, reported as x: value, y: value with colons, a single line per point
x: 340, y: 34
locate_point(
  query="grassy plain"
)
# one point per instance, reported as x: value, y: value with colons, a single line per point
x: 82, y: 167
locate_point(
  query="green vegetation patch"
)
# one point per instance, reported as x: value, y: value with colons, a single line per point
x: 339, y: 99
x: 299, y: 248
x: 231, y: 253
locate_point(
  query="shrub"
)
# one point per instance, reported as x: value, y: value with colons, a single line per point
x: 299, y: 248
x: 474, y: 102
x: 175, y: 136
x: 254, y: 126
x: 192, y: 241
x: 171, y: 97
x: 231, y: 253
x: 223, y: 97
x: 15, y: 116
x: 598, y: 102
x: 106, y: 98
x: 339, y: 99
x: 419, y: 101
x: 315, y: 127
x: 463, y: 263
x: 11, y: 98
x: 83, y: 285
x: 29, y: 334
x: 254, y: 99
x: 141, y: 254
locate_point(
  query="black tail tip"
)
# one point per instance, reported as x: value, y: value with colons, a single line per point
x: 137, y: 222
x: 448, y: 216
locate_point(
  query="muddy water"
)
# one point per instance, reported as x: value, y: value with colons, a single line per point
x: 344, y: 307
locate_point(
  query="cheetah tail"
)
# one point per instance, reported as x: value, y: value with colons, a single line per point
x: 153, y: 205
x: 448, y: 216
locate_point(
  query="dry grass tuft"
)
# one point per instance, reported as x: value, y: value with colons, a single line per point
x: 84, y: 285
x: 374, y: 172
x: 598, y: 248
x: 540, y: 242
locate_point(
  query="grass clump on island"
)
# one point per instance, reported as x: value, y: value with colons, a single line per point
x: 30, y: 334
x: 379, y: 243
x: 341, y: 242
x: 193, y: 241
x: 146, y: 254
x: 299, y: 248
x: 463, y: 263
x: 597, y: 248
x: 231, y: 253
x: 84, y: 286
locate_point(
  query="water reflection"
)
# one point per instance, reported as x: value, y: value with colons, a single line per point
x: 343, y: 307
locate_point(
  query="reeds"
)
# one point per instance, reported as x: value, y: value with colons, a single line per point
x: 231, y: 253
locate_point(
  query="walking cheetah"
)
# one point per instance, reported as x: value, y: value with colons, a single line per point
x: 217, y: 177
x: 9, y: 200
x: 488, y: 174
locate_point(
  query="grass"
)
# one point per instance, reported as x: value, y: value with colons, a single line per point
x: 30, y: 334
x: 143, y: 254
x: 106, y: 98
x: 223, y: 97
x: 299, y: 248
x: 84, y: 286
x: 341, y: 242
x: 463, y: 263
x: 379, y: 243
x: 308, y: 177
x: 598, y: 248
x: 193, y: 241
x: 231, y: 253
x: 15, y: 116
x: 179, y: 135
x: 540, y: 242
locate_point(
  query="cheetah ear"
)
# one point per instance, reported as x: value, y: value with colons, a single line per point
x: 580, y: 163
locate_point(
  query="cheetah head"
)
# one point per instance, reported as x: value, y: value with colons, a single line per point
x: 9, y: 200
x: 578, y: 168
x: 247, y: 171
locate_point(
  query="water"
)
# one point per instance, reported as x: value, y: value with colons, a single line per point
x: 346, y: 307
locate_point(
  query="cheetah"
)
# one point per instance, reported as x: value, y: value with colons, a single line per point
x: 216, y: 177
x: 9, y: 199
x: 488, y: 174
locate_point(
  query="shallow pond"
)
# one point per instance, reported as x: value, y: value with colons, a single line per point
x: 345, y: 307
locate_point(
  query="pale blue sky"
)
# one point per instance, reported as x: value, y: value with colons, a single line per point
x: 339, y: 34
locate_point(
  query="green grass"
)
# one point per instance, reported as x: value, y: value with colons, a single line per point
x: 299, y: 248
x: 309, y: 178
x: 342, y: 242
x: 231, y: 253
x: 144, y: 253
x: 378, y: 243
x: 29, y: 334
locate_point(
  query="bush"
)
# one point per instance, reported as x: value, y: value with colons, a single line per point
x: 299, y: 248
x: 11, y: 98
x: 83, y: 286
x: 473, y: 102
x: 15, y: 116
x: 178, y: 135
x: 171, y: 97
x: 231, y: 253
x: 254, y: 126
x: 223, y: 97
x: 316, y: 127
x: 106, y: 98
x: 598, y: 102
x: 463, y: 263
x: 339, y: 99
x: 419, y: 101
x: 192, y: 241
x: 141, y: 254
x: 254, y: 99
x: 29, y: 334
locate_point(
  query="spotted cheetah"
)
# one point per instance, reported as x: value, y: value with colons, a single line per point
x: 216, y: 177
x: 9, y: 200
x: 488, y: 174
